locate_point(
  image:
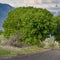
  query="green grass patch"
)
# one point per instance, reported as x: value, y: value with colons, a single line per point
x: 27, y: 50
x: 4, y: 52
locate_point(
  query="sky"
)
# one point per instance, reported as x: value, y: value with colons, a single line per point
x: 14, y: 3
x: 17, y: 3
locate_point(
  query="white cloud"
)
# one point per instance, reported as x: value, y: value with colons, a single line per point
x: 17, y: 3
x: 14, y: 3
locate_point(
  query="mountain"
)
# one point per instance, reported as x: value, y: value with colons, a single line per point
x: 4, y: 9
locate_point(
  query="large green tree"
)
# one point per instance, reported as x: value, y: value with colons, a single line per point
x: 1, y: 32
x: 57, y: 31
x: 34, y: 24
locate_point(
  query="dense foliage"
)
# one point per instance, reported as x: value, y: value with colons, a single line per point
x: 34, y: 24
x: 57, y: 32
x: 1, y: 32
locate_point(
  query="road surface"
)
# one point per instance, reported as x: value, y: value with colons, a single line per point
x: 47, y: 55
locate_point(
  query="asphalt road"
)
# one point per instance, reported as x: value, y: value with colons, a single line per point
x: 47, y: 55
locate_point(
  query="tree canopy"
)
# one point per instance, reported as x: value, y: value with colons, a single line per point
x: 1, y: 32
x: 57, y: 31
x: 34, y: 24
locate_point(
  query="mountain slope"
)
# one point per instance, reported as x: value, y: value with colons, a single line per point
x: 4, y: 9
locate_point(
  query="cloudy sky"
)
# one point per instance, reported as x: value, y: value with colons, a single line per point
x: 12, y: 2
x: 17, y: 3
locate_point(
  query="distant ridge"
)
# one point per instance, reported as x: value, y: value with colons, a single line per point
x: 4, y: 9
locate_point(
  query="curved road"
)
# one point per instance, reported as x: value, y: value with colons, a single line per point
x: 47, y: 55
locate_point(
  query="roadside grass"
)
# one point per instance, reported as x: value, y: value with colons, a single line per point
x: 32, y: 49
x: 20, y: 51
x: 8, y: 51
x: 4, y: 52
